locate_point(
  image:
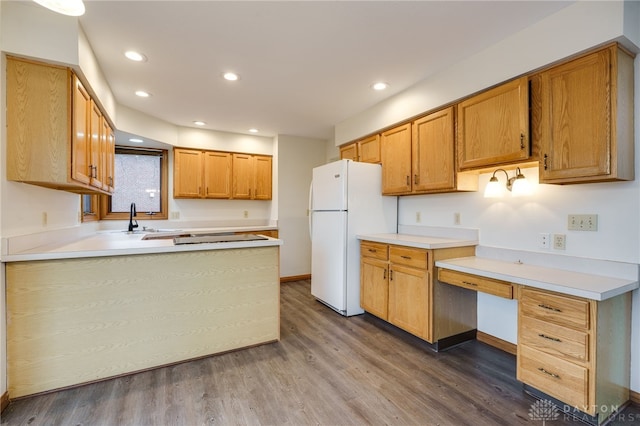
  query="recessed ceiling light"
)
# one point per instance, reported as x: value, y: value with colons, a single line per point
x: 199, y: 123
x: 68, y: 7
x: 231, y: 76
x: 379, y: 86
x: 136, y: 140
x: 142, y: 93
x: 135, y: 56
x: 253, y: 130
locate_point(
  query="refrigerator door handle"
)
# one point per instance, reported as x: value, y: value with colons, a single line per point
x: 309, y: 211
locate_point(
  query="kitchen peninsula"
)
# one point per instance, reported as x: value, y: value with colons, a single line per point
x: 115, y: 303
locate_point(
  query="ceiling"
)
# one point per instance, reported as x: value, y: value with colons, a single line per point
x: 304, y: 66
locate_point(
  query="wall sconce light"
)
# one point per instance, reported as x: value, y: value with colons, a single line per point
x: 65, y: 7
x: 518, y: 185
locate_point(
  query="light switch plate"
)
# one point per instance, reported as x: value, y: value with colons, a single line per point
x: 582, y: 222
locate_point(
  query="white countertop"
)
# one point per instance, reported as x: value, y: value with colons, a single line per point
x: 418, y: 241
x: 118, y: 243
x: 590, y: 286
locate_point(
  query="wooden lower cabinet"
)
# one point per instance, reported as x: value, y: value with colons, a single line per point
x: 398, y: 286
x: 575, y: 350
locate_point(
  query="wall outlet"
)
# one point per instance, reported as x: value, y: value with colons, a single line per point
x: 544, y: 240
x: 175, y: 215
x: 418, y: 217
x: 456, y: 218
x: 245, y: 214
x: 559, y: 241
x: 44, y: 218
x: 582, y: 222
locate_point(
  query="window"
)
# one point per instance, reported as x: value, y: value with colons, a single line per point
x: 90, y: 210
x: 141, y: 178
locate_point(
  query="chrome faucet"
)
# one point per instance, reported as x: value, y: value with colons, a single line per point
x: 132, y: 214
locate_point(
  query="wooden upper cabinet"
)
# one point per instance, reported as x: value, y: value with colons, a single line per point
x: 419, y: 157
x: 223, y: 175
x: 109, y: 156
x: 217, y: 174
x: 187, y: 173
x: 585, y: 118
x: 252, y: 177
x: 369, y: 149
x: 263, y: 177
x: 81, y: 138
x: 349, y: 152
x: 433, y: 152
x: 243, y: 176
x: 395, y: 148
x: 51, y: 120
x: 366, y: 150
x: 493, y: 126
x: 97, y: 148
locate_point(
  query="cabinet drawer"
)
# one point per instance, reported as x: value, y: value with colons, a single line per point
x: 555, y: 308
x: 409, y: 256
x: 375, y: 250
x: 554, y: 339
x: 561, y: 379
x: 477, y: 283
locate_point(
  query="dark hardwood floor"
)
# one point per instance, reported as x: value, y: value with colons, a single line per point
x: 326, y: 370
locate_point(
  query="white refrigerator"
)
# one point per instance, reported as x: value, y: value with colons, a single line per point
x: 345, y: 200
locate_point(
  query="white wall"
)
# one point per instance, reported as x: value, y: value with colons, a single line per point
x: 516, y: 223
x: 297, y: 156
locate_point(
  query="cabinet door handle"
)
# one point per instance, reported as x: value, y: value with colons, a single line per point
x: 470, y: 283
x: 384, y: 275
x: 408, y: 180
x: 390, y: 275
x: 406, y: 257
x: 544, y: 336
x: 549, y: 308
x: 548, y: 372
x: 545, y: 161
x: 521, y: 140
x: 416, y: 179
x: 373, y: 251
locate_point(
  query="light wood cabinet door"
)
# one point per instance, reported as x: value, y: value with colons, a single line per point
x: 217, y: 174
x: 369, y: 149
x: 263, y: 177
x: 374, y: 287
x: 81, y: 137
x: 187, y: 173
x: 108, y: 156
x: 349, y: 152
x: 96, y: 147
x: 243, y: 176
x: 583, y: 105
x: 395, y: 147
x: 409, y: 304
x: 433, y: 152
x: 493, y: 126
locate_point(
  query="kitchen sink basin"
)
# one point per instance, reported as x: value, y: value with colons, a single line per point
x: 164, y: 236
x: 216, y: 238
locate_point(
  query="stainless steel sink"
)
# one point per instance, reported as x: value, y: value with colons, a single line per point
x: 216, y: 238
x: 164, y: 236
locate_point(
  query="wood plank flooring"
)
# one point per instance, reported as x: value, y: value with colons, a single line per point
x: 326, y: 370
